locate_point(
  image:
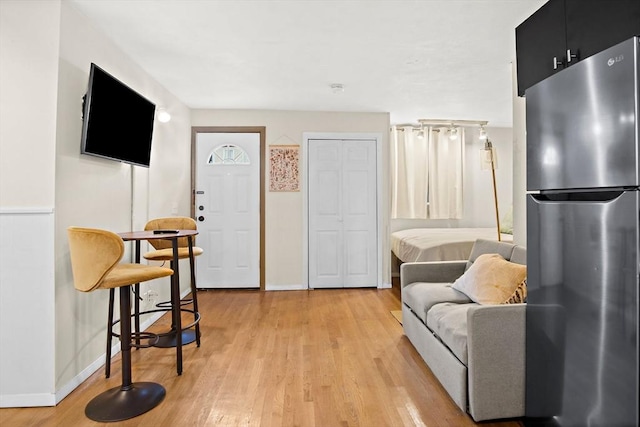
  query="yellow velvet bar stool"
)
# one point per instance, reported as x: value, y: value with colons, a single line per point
x: 164, y: 252
x: 95, y: 256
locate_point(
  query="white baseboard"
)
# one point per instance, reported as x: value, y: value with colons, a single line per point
x: 304, y: 288
x: 27, y: 400
x: 66, y: 389
x: 269, y: 287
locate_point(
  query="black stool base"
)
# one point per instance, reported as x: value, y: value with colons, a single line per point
x: 169, y: 340
x: 117, y: 404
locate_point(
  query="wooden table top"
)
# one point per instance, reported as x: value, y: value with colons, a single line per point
x: 149, y: 235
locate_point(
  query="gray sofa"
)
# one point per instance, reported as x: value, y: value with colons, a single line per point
x: 477, y: 352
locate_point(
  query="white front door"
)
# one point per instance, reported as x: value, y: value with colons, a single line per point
x: 227, y: 208
x: 342, y: 192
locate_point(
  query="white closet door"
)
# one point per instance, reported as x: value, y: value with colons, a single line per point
x: 359, y: 213
x: 342, y: 213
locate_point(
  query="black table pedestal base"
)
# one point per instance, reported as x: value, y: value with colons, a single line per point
x: 119, y: 404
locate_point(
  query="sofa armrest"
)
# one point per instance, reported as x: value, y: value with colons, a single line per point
x: 496, y: 360
x: 434, y: 271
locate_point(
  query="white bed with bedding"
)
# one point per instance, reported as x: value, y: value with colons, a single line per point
x: 439, y: 244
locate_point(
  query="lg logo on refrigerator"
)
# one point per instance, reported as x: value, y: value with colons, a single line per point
x: 614, y: 60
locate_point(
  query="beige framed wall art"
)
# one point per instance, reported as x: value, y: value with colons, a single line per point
x: 284, y: 173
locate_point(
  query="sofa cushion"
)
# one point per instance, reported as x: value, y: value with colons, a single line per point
x: 491, y: 279
x: 519, y: 295
x: 420, y: 297
x: 449, y: 322
x: 482, y: 246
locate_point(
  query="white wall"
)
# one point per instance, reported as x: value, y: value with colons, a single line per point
x: 478, y: 203
x: 519, y: 165
x: 284, y: 211
x: 29, y: 37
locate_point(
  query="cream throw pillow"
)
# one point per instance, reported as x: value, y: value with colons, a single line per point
x: 493, y: 280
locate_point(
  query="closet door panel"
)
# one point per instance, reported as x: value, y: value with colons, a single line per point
x: 325, y: 214
x: 343, y: 205
x: 360, y: 219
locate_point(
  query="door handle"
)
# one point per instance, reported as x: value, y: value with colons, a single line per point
x: 200, y: 218
x: 571, y: 56
x: 200, y: 208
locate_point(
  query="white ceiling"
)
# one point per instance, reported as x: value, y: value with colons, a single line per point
x: 429, y: 59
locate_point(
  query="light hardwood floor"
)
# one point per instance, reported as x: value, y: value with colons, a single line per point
x: 294, y: 358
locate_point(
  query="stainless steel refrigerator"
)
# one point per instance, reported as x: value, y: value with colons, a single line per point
x: 583, y: 214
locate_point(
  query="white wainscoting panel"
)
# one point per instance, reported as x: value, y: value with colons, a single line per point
x: 27, y: 307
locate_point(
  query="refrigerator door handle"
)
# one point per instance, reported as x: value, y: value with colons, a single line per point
x: 578, y: 197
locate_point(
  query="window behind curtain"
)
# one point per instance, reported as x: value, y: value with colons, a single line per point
x: 426, y: 171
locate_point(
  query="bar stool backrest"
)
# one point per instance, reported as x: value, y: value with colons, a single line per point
x: 171, y: 223
x: 94, y: 253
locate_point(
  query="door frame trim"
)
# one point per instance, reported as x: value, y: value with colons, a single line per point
x: 262, y: 130
x: 306, y: 136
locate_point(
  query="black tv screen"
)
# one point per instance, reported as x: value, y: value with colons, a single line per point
x: 117, y: 121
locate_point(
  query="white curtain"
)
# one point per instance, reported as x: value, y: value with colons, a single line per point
x: 446, y: 162
x: 409, y: 173
x: 426, y: 173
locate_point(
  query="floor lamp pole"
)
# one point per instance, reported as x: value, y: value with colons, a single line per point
x: 495, y: 197
x: 490, y: 158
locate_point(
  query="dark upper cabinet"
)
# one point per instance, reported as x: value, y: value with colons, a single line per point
x: 563, y: 32
x: 595, y: 25
x: 539, y: 40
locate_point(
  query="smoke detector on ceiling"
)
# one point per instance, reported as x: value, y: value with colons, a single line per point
x: 337, y: 87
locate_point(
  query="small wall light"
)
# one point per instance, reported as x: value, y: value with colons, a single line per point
x: 163, y: 115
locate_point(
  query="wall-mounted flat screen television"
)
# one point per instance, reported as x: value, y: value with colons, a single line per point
x: 117, y: 121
